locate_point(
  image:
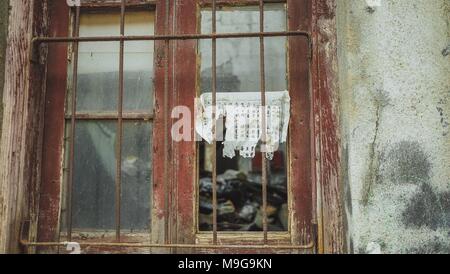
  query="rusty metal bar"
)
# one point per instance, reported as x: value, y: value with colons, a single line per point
x: 151, y: 3
x: 111, y: 117
x: 108, y: 5
x: 38, y: 40
x: 118, y: 187
x: 214, y: 112
x: 166, y: 129
x: 173, y: 187
x: 311, y: 245
x: 76, y: 33
x: 263, y: 121
x: 207, y: 3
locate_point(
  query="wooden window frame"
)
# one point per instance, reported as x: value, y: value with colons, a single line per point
x: 48, y: 228
x: 326, y: 208
x: 183, y: 201
x: 296, y: 49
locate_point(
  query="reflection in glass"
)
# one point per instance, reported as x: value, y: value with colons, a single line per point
x: 136, y: 176
x: 94, y: 175
x: 98, y: 72
x: 95, y: 141
x: 238, y: 59
x: 95, y: 171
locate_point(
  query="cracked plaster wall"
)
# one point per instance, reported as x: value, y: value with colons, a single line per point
x: 394, y: 77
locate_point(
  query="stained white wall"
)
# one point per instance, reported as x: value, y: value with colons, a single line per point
x: 394, y: 75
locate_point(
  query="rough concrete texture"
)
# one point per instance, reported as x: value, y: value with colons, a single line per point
x: 394, y: 70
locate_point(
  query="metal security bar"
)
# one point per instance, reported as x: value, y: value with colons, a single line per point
x: 263, y: 118
x: 167, y: 37
x: 120, y: 123
x: 76, y: 33
x: 214, y: 129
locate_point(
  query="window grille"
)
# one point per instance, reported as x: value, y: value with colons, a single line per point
x: 73, y: 117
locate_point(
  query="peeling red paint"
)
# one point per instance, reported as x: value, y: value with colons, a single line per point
x: 309, y: 141
x: 327, y: 125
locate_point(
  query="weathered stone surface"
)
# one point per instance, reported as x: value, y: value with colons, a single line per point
x: 395, y: 111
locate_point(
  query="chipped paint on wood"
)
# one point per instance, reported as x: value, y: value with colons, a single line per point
x: 317, y: 119
x: 301, y: 198
x: 49, y: 204
x: 326, y: 127
x: 22, y: 117
x: 4, y: 12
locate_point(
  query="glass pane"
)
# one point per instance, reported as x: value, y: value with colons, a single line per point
x: 138, y: 63
x: 95, y: 171
x: 94, y: 175
x: 98, y: 72
x: 136, y: 176
x: 240, y: 192
x: 238, y: 60
x: 245, y: 19
x: 239, y: 179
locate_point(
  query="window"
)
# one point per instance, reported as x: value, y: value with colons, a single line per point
x: 238, y: 70
x: 96, y: 130
x: 112, y: 174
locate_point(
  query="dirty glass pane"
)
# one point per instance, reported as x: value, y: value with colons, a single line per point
x: 238, y: 59
x: 95, y: 171
x: 136, y: 176
x: 138, y: 63
x: 239, y: 179
x: 98, y: 77
x: 240, y: 192
x: 94, y: 175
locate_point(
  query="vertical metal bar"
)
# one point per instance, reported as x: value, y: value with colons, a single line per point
x: 166, y: 130
x: 174, y: 188
x: 76, y: 33
x: 120, y: 124
x: 214, y: 129
x: 263, y: 117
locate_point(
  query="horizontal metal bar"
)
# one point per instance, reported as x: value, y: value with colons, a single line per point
x: 100, y: 116
x: 89, y: 6
x: 170, y: 37
x: 239, y: 3
x: 152, y: 3
x: 145, y: 245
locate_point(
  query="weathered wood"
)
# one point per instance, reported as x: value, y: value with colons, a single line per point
x: 185, y: 90
x: 49, y: 202
x: 22, y: 118
x: 22, y: 132
x: 299, y: 14
x: 162, y: 151
x: 4, y: 12
x: 301, y: 198
x: 326, y: 128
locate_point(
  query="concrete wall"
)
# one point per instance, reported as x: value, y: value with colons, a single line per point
x: 394, y: 70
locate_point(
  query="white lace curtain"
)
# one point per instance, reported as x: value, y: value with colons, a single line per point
x: 243, y: 121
